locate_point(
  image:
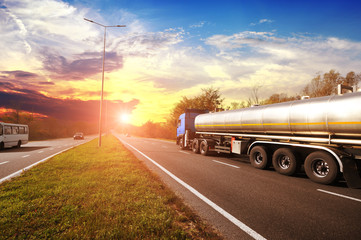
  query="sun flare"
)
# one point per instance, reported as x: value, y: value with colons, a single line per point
x: 125, y: 118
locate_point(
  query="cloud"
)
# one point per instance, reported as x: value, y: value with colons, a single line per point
x: 261, y: 21
x: 279, y: 63
x: 66, y: 109
x: 19, y: 75
x: 146, y: 44
x: 85, y: 65
x: 198, y: 25
x: 50, y: 54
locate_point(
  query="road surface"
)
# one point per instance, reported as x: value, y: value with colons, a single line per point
x: 247, y: 203
x: 14, y: 160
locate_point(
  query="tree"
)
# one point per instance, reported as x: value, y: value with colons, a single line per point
x: 327, y: 84
x: 210, y: 99
x: 278, y: 98
x: 237, y: 105
x: 352, y: 79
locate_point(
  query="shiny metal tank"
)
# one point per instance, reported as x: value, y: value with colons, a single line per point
x: 331, y: 115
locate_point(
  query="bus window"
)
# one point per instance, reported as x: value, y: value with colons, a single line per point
x: 21, y: 130
x: 15, y: 130
x: 1, y: 130
x: 7, y: 130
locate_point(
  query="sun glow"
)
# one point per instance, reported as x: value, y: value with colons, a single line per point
x: 125, y: 118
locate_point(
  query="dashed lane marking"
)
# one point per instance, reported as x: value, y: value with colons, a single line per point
x: 339, y: 195
x: 230, y: 165
x: 184, y: 152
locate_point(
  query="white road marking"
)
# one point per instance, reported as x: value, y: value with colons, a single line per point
x: 4, y: 162
x: 184, y: 152
x: 164, y: 146
x: 40, y: 151
x: 339, y: 195
x: 25, y: 156
x: 234, y: 220
x: 225, y: 164
x: 17, y: 173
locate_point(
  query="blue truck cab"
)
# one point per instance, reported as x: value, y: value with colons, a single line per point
x: 186, y: 123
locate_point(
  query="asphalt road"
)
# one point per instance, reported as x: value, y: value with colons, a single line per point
x: 14, y: 160
x: 245, y: 203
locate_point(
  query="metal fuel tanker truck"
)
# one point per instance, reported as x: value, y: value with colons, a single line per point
x: 322, y: 134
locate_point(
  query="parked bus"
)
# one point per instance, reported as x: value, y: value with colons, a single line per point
x: 12, y: 135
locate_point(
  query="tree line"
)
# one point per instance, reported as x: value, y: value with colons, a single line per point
x: 41, y: 128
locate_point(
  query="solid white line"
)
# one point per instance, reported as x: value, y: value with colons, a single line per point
x: 4, y: 162
x: 340, y: 195
x: 234, y: 220
x: 226, y: 164
x: 25, y: 156
x: 17, y: 173
x: 184, y: 152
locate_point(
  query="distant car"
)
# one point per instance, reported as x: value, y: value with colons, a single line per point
x: 78, y: 135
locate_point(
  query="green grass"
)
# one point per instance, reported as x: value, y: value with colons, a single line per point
x: 95, y: 193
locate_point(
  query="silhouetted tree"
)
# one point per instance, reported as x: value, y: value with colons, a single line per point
x: 210, y: 99
x: 327, y: 84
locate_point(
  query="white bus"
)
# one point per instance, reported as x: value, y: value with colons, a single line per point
x: 12, y: 135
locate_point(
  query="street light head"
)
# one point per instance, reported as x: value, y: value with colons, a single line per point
x: 88, y: 20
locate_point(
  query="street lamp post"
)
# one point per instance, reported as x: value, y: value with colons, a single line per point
x: 102, y: 92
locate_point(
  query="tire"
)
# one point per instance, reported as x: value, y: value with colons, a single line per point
x: 2, y: 146
x: 204, y: 148
x: 195, y: 146
x: 259, y: 157
x: 19, y: 144
x: 181, y: 143
x: 285, y: 162
x: 321, y: 167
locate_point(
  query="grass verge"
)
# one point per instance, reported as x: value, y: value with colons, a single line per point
x: 95, y: 193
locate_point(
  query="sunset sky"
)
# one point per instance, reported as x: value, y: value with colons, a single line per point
x: 51, y: 59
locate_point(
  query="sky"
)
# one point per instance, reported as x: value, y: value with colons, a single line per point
x: 51, y: 58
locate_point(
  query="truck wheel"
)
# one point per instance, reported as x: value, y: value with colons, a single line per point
x: 204, y: 148
x: 195, y: 146
x: 321, y: 167
x: 181, y: 143
x: 285, y: 162
x: 259, y: 157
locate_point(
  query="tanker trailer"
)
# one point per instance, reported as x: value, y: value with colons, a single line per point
x: 322, y: 134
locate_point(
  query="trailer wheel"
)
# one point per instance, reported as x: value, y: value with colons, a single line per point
x: 195, y: 146
x: 204, y: 148
x: 321, y: 167
x: 259, y: 157
x: 285, y: 162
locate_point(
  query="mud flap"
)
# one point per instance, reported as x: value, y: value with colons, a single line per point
x: 352, y: 172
